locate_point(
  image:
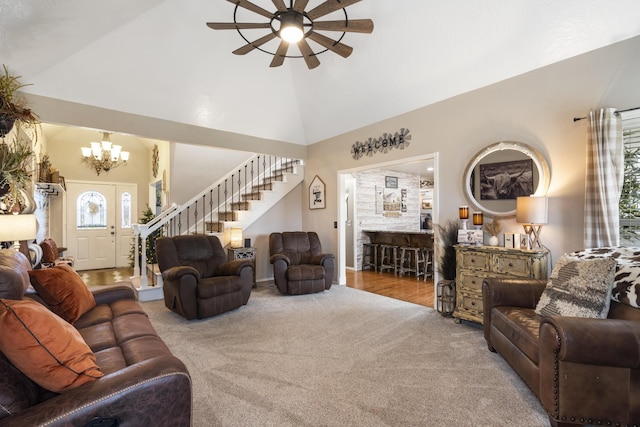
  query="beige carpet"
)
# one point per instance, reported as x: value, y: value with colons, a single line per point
x: 343, y: 358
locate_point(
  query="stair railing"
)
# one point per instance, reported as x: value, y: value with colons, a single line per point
x: 219, y: 203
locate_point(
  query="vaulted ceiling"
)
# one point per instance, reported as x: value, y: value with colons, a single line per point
x: 157, y: 58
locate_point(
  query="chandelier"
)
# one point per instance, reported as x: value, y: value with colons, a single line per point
x: 104, y: 156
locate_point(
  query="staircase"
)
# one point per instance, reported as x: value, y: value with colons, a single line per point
x: 236, y: 200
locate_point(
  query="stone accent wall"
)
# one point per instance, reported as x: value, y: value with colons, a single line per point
x: 369, y: 214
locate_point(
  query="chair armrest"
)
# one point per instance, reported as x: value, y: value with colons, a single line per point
x: 280, y: 257
x: 321, y: 258
x: 588, y: 369
x: 604, y: 342
x: 496, y: 292
x: 160, y: 388
x: 233, y: 268
x: 113, y: 293
x: 175, y: 273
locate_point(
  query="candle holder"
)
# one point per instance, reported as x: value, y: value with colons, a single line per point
x: 464, y: 216
x: 477, y: 222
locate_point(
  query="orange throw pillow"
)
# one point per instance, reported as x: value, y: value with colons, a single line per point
x: 63, y: 290
x: 44, y: 347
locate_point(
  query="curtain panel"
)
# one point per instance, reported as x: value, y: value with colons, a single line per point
x: 604, y: 179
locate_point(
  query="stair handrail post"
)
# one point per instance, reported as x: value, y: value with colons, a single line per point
x: 136, y: 236
x: 143, y: 273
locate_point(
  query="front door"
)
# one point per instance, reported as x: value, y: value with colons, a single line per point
x: 99, y: 218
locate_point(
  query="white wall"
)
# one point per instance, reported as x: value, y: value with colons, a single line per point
x: 536, y: 108
x: 195, y: 167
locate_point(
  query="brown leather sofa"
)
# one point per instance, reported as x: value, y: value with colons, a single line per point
x: 584, y: 371
x: 198, y: 280
x: 299, y: 265
x: 143, y: 383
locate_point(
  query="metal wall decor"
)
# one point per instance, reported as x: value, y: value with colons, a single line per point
x: 383, y: 144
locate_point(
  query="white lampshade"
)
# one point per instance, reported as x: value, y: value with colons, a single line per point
x: 531, y: 210
x: 14, y: 228
x: 236, y: 237
x: 86, y: 151
x: 124, y: 155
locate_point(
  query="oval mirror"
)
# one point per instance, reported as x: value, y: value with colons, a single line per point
x: 500, y: 173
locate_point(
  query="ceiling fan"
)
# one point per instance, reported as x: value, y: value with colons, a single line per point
x: 294, y: 25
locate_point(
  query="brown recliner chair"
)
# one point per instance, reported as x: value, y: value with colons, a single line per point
x: 198, y: 280
x: 299, y: 266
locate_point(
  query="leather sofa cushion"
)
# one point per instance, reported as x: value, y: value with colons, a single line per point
x: 44, y: 347
x: 107, y: 312
x: 521, y: 326
x: 17, y: 392
x: 14, y: 276
x: 63, y: 290
x: 305, y: 272
x: 218, y: 285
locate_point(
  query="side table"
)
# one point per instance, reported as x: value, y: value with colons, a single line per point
x: 244, y: 253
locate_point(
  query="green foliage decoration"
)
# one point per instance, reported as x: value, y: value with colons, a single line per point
x: 147, y: 216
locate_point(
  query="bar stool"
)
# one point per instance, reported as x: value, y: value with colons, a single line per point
x: 428, y: 262
x: 412, y: 260
x: 370, y: 256
x: 388, y: 258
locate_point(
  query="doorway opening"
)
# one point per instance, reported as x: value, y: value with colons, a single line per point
x: 352, y: 211
x: 99, y: 218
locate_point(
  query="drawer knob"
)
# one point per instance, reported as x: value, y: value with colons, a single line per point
x: 473, y: 303
x: 510, y: 264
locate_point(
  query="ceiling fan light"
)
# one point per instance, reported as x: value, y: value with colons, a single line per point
x: 291, y: 33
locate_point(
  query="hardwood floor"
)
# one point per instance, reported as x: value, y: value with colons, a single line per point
x: 105, y: 276
x: 404, y: 288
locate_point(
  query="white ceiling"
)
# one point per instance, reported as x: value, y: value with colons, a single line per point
x: 157, y: 58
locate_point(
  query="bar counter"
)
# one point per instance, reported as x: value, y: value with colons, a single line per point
x: 419, y: 239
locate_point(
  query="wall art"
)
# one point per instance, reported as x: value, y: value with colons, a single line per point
x: 317, y: 194
x: 383, y: 144
x: 506, y: 180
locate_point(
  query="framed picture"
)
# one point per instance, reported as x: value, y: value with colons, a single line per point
x: 506, y: 180
x: 62, y: 183
x: 391, y: 181
x: 317, y: 195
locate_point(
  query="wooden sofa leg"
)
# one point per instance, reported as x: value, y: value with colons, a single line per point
x: 491, y: 349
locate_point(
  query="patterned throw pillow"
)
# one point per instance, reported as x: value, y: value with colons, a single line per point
x: 626, y: 288
x: 578, y: 288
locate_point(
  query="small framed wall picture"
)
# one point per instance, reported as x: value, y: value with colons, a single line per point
x: 391, y: 181
x: 317, y: 194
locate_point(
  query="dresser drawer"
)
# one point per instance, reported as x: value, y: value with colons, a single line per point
x: 471, y: 302
x: 474, y: 261
x: 512, y: 266
x: 469, y: 281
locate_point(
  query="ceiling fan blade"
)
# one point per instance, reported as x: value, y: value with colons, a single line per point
x: 252, y: 7
x: 350, y: 26
x: 249, y: 47
x: 334, y: 46
x: 237, y: 26
x: 278, y: 59
x: 300, y: 5
x: 309, y: 57
x: 327, y: 7
x: 279, y: 4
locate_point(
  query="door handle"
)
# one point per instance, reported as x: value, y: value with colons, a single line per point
x: 113, y: 232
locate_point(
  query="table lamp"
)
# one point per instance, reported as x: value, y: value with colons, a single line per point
x: 14, y: 228
x: 236, y: 237
x: 531, y: 212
